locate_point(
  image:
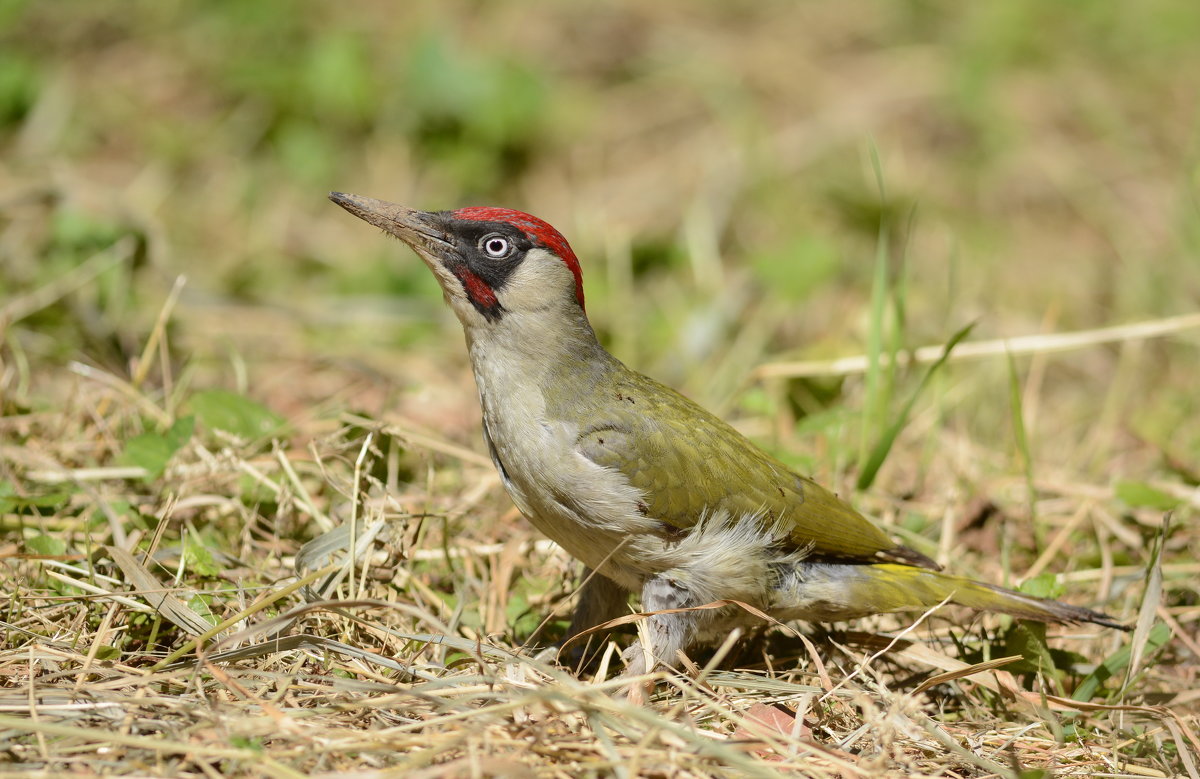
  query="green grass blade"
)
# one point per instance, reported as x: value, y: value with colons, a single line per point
x: 1017, y: 408
x: 867, y: 477
x: 875, y: 399
x: 1117, y: 662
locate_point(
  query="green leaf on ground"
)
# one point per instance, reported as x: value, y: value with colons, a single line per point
x: 1045, y: 585
x: 200, y: 603
x: 46, y: 545
x: 199, y: 558
x: 237, y: 414
x: 153, y: 451
x: 11, y: 502
x: 798, y: 269
x: 1028, y: 639
x: 1141, y: 495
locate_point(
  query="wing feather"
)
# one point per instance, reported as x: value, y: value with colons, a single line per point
x: 687, y: 462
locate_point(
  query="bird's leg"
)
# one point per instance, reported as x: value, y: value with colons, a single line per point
x: 600, y: 599
x: 667, y: 633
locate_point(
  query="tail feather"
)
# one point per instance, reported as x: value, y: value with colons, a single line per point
x: 911, y: 587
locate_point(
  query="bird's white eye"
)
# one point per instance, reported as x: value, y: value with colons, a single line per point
x: 496, y: 246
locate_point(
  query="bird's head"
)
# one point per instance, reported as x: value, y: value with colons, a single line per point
x: 492, y: 263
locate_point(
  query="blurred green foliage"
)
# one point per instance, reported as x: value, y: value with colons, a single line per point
x: 1037, y: 169
x: 222, y: 410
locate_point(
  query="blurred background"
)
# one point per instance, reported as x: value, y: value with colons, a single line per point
x: 738, y: 178
x: 198, y: 351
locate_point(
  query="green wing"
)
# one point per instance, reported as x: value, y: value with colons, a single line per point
x: 688, y: 462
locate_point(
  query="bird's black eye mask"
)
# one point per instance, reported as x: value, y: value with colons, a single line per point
x: 531, y: 232
x: 490, y: 252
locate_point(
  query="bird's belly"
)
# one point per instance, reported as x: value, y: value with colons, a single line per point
x: 591, y: 512
x: 588, y: 541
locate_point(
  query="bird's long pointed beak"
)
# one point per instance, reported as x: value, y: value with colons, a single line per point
x: 419, y: 229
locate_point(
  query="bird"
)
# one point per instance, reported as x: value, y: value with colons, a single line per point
x: 656, y: 496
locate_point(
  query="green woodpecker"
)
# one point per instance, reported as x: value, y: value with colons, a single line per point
x: 646, y: 488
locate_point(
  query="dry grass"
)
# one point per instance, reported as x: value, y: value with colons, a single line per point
x: 324, y: 577
x: 409, y: 656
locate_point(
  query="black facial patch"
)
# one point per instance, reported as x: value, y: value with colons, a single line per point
x: 469, y: 235
x: 482, y: 276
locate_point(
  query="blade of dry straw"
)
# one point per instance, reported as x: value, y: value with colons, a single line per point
x: 1027, y: 344
x: 158, y: 594
x: 253, y: 608
x: 1149, y: 607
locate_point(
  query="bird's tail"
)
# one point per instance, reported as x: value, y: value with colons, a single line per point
x: 902, y: 587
